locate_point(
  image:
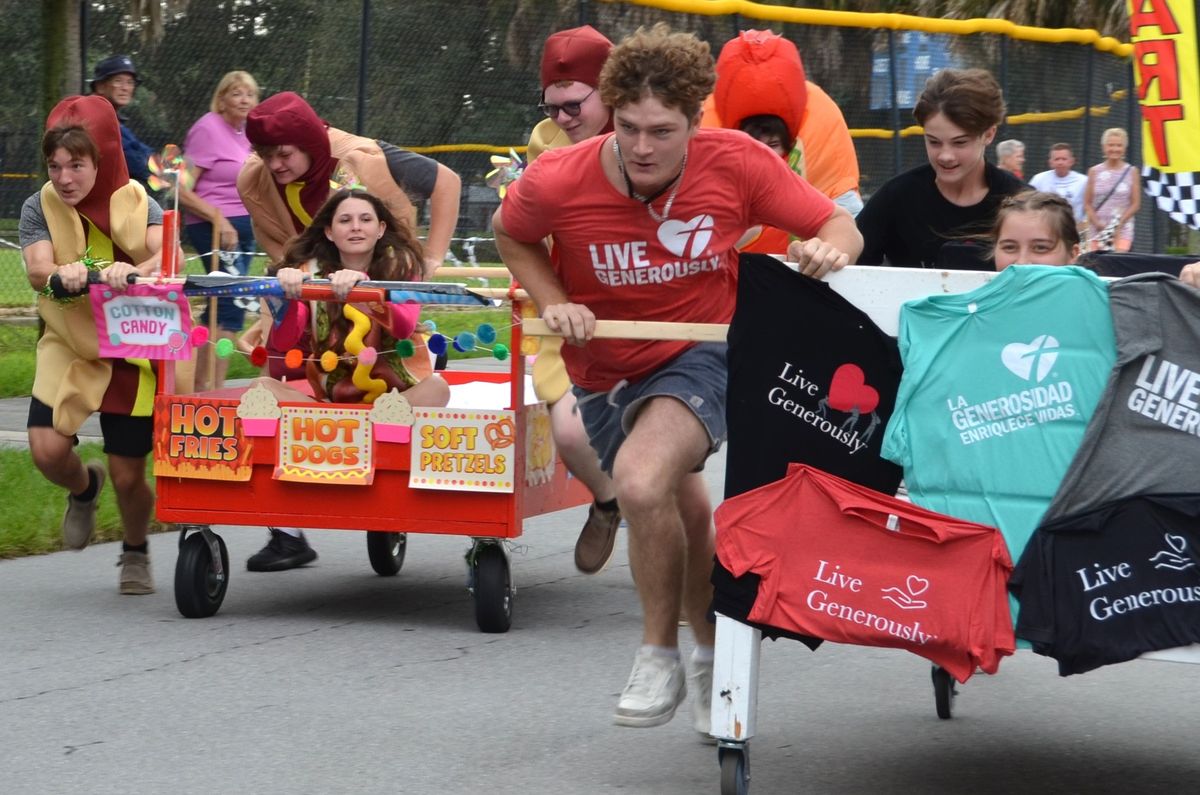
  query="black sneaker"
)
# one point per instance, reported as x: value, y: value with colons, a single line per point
x: 282, y: 552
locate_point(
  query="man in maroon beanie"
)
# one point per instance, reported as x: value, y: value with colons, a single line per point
x: 571, y: 63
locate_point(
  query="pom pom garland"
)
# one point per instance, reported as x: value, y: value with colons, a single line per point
x: 199, y: 336
x: 294, y: 358
x: 329, y: 361
x: 224, y: 348
x: 437, y: 344
x: 405, y: 349
x: 258, y: 356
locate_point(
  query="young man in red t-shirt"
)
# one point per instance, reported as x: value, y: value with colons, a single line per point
x: 644, y: 222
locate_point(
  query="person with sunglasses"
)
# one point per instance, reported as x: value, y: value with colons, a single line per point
x: 571, y: 63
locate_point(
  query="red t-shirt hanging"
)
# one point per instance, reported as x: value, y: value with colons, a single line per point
x: 842, y: 562
x: 614, y: 258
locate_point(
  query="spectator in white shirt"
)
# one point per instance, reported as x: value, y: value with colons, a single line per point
x: 1061, y: 179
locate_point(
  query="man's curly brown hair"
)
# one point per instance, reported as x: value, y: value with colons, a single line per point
x: 675, y: 68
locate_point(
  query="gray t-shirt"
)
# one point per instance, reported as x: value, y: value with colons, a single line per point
x: 415, y: 174
x: 1145, y: 435
x: 33, y: 227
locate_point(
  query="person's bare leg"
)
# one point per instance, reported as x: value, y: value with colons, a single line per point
x: 135, y: 499
x: 433, y: 391
x: 667, y: 442
x: 696, y: 511
x: 55, y: 457
x: 566, y: 425
x: 222, y: 365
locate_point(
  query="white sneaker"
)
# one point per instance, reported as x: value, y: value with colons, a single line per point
x: 655, y: 689
x: 699, y: 682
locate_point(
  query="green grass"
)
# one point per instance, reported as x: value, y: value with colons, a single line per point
x: 14, y: 287
x: 31, y: 515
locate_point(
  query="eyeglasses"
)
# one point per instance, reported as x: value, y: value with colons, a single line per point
x: 572, y: 109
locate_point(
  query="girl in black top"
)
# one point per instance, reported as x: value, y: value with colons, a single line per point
x: 952, y: 199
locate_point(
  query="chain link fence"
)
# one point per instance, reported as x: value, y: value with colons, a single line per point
x: 460, y: 81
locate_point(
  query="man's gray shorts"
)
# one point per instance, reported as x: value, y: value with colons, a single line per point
x: 696, y: 378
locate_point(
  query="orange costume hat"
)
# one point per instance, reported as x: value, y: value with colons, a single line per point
x: 760, y: 72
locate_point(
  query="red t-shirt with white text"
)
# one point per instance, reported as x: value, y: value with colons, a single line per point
x: 614, y: 258
x: 842, y: 562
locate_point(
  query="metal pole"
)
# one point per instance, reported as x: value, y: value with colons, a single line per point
x: 583, y: 13
x: 1089, y: 76
x: 360, y: 121
x: 1002, y: 133
x: 83, y: 38
x: 896, y: 153
x: 1132, y: 123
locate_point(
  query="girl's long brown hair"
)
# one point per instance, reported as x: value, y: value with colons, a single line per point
x: 397, y: 255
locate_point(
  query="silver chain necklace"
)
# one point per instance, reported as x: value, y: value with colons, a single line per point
x: 646, y: 200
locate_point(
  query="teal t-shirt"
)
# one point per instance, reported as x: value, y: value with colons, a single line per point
x: 999, y: 384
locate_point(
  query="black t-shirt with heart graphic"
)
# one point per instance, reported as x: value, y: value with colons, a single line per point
x: 1112, y: 583
x: 812, y: 380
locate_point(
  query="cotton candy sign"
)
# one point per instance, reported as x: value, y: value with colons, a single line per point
x: 144, y: 321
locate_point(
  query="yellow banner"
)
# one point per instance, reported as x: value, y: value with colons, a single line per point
x: 1168, y: 81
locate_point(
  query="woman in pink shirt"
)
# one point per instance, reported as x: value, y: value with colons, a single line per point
x: 216, y: 146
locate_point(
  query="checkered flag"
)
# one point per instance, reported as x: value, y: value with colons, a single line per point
x: 1178, y: 193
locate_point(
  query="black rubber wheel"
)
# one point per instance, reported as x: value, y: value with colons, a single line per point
x: 198, y: 591
x: 386, y: 551
x: 943, y: 692
x: 735, y: 772
x: 493, y: 590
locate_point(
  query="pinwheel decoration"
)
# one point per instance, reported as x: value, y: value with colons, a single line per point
x: 169, y: 170
x: 343, y: 179
x: 505, y: 171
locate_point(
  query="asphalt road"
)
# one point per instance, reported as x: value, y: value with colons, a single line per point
x: 332, y: 679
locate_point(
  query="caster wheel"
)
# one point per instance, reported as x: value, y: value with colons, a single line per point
x: 386, y: 551
x: 944, y: 692
x: 493, y: 589
x: 199, y: 590
x: 735, y: 771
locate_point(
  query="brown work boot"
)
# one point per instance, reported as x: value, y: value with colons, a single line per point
x: 594, y: 548
x: 135, y: 578
x: 79, y: 521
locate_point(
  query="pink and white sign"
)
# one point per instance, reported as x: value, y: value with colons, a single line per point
x: 144, y: 321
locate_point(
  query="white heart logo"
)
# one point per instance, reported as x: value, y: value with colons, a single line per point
x: 1019, y: 357
x: 690, y: 236
x: 1178, y: 543
x: 917, y: 585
